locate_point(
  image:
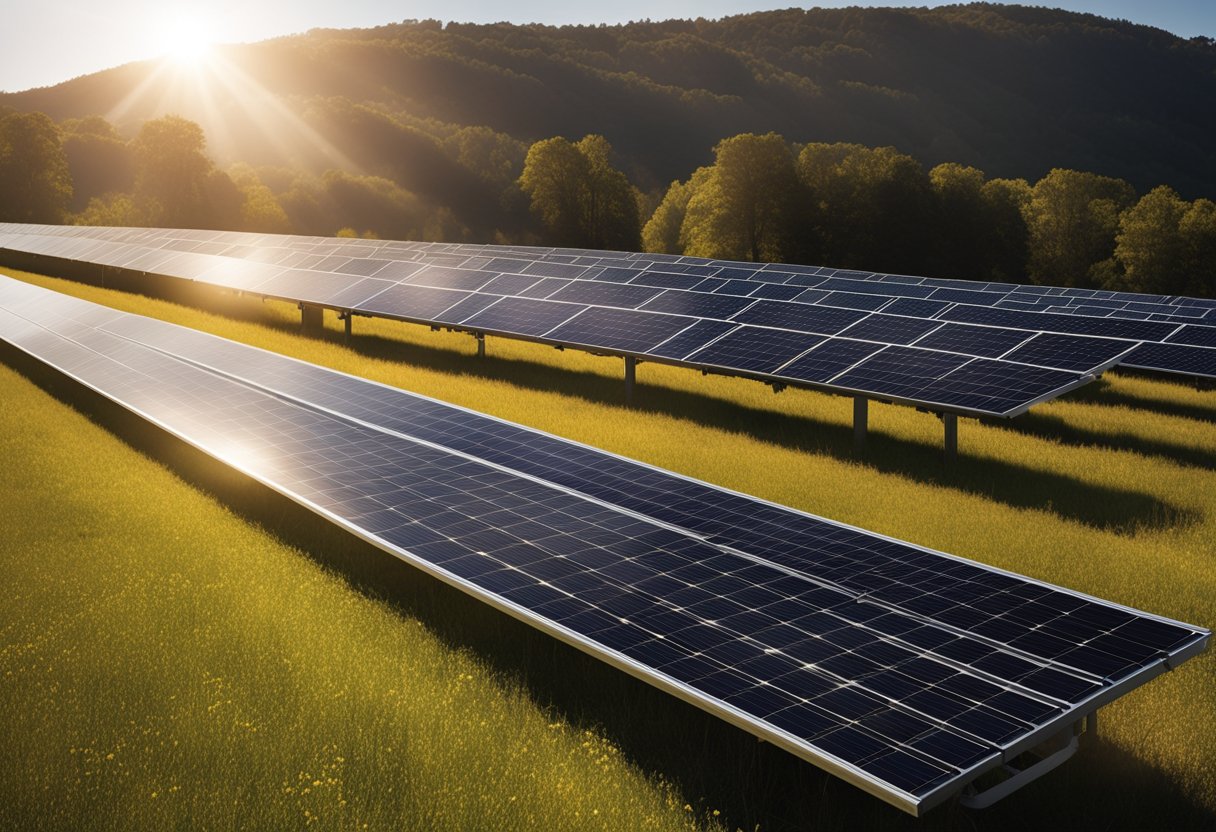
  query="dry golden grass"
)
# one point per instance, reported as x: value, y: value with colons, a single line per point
x: 1109, y: 491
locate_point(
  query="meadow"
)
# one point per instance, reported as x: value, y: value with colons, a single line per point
x: 169, y: 659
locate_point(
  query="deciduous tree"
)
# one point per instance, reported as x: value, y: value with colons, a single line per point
x: 35, y: 181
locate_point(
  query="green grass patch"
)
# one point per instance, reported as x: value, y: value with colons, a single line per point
x: 1109, y: 491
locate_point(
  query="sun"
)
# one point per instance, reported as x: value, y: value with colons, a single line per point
x: 186, y: 39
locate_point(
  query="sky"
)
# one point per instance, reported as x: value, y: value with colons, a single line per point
x: 44, y: 42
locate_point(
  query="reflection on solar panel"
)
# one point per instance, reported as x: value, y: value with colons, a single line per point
x: 905, y: 671
x: 579, y: 303
x: 1190, y: 321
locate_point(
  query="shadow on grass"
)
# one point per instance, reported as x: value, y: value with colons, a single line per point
x: 1123, y: 511
x: 711, y: 763
x: 1103, y: 393
x: 1047, y: 426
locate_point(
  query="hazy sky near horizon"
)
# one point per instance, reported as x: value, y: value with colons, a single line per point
x: 44, y: 42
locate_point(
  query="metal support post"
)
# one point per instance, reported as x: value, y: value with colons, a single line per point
x: 481, y: 344
x: 311, y: 318
x: 861, y: 419
x: 630, y: 375
x: 346, y: 319
x: 950, y: 424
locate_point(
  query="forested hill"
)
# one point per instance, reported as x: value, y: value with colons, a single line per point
x: 1012, y: 90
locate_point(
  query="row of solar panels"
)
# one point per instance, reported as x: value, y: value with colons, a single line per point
x: 906, y: 671
x: 834, y: 287
x: 953, y: 367
x: 936, y: 315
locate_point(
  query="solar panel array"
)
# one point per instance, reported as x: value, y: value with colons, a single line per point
x: 906, y: 671
x: 1179, y: 336
x: 959, y: 368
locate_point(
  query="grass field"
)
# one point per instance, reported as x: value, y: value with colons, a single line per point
x: 139, y: 605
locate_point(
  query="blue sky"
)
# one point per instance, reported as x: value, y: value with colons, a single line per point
x: 43, y: 42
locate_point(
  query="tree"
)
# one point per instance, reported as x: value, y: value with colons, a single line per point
x: 662, y: 231
x: 1072, y: 218
x: 961, y: 236
x: 260, y: 210
x: 1150, y: 245
x: 580, y: 198
x: 553, y: 178
x: 35, y: 181
x: 610, y: 204
x: 100, y: 161
x: 1005, y: 202
x: 867, y: 206
x: 172, y: 169
x: 1198, y: 227
x: 744, y: 210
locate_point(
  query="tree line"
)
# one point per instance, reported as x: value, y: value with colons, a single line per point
x: 761, y: 199
x: 877, y: 209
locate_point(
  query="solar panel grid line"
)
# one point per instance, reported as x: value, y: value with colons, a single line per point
x: 412, y: 396
x: 732, y: 714
x: 1090, y: 369
x: 843, y: 680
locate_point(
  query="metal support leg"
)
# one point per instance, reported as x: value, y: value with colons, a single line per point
x: 950, y: 424
x: 861, y: 418
x: 346, y: 319
x: 481, y: 344
x: 630, y: 375
x: 311, y: 318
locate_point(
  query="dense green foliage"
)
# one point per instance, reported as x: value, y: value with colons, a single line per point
x: 1014, y: 91
x: 583, y: 201
x: 35, y: 181
x: 983, y: 141
x: 1107, y: 490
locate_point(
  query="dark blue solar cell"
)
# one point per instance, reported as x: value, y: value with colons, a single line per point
x: 901, y: 372
x: 875, y: 287
x: 890, y: 329
x: 594, y: 293
x: 620, y: 329
x: 737, y: 272
x: 509, y: 284
x: 415, y: 302
x: 915, y: 308
x: 508, y: 265
x: 362, y: 266
x: 850, y: 744
x: 466, y: 309
x: 799, y: 317
x: 967, y: 296
x: 444, y: 277
x: 564, y: 270
x: 543, y: 288
x: 754, y: 349
x: 524, y: 316
x: 998, y: 387
x: 853, y: 300
x: 803, y: 721
x: 913, y: 774
x: 1049, y: 322
x: 1201, y: 336
x: 697, y: 304
x: 731, y: 287
x: 666, y: 280
x: 986, y: 341
x: 952, y: 749
x: 776, y: 291
x: 1174, y: 358
x: 1069, y: 352
x: 761, y: 700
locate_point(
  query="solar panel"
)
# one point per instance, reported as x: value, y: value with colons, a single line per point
x: 617, y: 280
x: 906, y: 671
